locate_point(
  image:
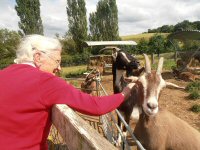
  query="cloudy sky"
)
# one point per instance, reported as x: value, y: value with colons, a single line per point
x: 135, y: 16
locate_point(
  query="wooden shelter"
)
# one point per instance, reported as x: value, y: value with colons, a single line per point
x: 104, y: 62
x: 187, y: 58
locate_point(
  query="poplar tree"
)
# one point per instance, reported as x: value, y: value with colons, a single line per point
x: 105, y: 21
x: 77, y: 20
x: 29, y: 13
x: 94, y: 30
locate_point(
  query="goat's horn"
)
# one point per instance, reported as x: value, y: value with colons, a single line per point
x: 160, y: 65
x: 147, y: 64
x: 109, y: 48
x: 131, y: 79
x: 174, y: 85
x: 117, y: 49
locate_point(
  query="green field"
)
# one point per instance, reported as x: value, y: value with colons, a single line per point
x: 137, y: 37
x: 73, y: 71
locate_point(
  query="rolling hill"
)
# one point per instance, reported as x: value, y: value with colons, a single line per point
x: 137, y: 37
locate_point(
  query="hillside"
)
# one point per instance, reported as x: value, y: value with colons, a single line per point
x: 137, y: 37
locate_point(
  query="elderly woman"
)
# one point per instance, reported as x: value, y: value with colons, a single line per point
x: 29, y: 89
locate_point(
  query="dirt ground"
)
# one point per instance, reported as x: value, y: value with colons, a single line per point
x: 173, y: 100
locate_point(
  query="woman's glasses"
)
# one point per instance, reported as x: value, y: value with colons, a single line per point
x: 57, y: 61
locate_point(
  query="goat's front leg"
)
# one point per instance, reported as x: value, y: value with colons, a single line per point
x: 127, y: 119
x: 119, y: 138
x: 123, y: 129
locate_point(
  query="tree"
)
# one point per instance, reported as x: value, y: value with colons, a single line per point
x: 104, y: 22
x: 142, y: 46
x: 29, y: 13
x: 185, y: 25
x: 156, y: 44
x: 166, y: 28
x: 197, y: 25
x: 8, y: 44
x: 76, y: 12
x: 94, y: 30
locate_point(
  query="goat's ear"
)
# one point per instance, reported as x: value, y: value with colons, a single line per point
x: 147, y: 64
x: 169, y: 84
x: 131, y: 79
x: 160, y: 65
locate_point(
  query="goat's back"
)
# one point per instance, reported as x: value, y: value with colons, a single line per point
x: 166, y: 131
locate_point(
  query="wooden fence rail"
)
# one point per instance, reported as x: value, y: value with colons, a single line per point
x: 77, y: 134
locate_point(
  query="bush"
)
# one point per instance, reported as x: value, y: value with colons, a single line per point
x: 195, y: 108
x: 194, y: 95
x: 74, y: 60
x: 194, y: 89
x: 193, y: 86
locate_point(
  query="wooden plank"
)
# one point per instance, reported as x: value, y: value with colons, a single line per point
x: 77, y: 134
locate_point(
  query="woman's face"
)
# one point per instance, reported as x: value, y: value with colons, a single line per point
x: 50, y: 62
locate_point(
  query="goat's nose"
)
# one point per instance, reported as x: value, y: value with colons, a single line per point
x: 152, y: 105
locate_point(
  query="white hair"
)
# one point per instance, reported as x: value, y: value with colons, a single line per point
x: 31, y: 43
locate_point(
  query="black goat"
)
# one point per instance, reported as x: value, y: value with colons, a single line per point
x: 124, y: 64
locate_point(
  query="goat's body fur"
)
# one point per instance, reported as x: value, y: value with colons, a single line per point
x: 165, y: 131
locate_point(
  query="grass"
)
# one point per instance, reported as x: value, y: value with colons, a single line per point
x: 73, y: 71
x: 168, y: 60
x: 195, y: 108
x: 137, y: 37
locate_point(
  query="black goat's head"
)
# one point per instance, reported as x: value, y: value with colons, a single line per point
x: 125, y: 61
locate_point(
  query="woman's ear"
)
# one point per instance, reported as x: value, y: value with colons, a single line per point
x: 37, y: 59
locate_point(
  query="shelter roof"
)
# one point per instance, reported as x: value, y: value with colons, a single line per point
x: 109, y: 43
x: 186, y: 35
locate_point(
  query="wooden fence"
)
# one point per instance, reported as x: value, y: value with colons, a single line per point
x: 76, y: 133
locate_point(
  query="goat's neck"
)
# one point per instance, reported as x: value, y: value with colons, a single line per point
x: 146, y: 121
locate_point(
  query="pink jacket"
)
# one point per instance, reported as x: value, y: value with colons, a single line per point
x: 26, y: 97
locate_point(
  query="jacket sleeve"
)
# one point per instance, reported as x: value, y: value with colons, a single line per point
x: 56, y: 91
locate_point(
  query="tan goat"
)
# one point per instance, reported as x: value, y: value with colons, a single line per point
x: 160, y: 129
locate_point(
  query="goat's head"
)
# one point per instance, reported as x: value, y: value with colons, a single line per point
x: 125, y: 61
x: 152, y: 83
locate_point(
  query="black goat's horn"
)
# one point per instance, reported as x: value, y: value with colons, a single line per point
x: 109, y: 48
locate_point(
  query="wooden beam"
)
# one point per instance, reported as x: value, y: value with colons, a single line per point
x: 77, y: 134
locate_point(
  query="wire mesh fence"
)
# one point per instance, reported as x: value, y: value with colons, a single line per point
x: 55, y: 141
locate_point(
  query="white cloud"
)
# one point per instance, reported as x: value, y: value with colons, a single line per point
x: 8, y: 16
x: 140, y: 15
x: 135, y: 16
x: 54, y: 17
